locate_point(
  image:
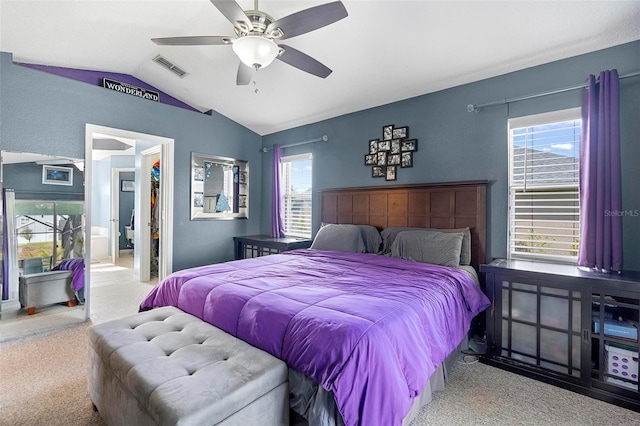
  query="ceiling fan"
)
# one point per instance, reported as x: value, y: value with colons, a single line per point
x: 258, y: 32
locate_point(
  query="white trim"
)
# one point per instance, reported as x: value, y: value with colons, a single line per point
x: 571, y: 114
x: 545, y: 118
x: 297, y: 157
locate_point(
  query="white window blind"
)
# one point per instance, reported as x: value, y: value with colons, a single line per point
x: 544, y: 173
x: 296, y: 184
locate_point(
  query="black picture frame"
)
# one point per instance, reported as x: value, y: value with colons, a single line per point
x: 371, y: 159
x: 390, y: 173
x: 400, y: 132
x: 382, y: 158
x: 384, y: 146
x: 127, y: 185
x: 378, y: 171
x: 406, y: 160
x: 387, y: 132
x: 373, y: 146
x: 393, y: 159
x: 395, y: 146
x: 410, y: 145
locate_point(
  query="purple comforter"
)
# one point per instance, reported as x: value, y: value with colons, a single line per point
x: 369, y: 328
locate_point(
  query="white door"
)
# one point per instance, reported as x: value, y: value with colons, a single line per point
x: 143, y: 252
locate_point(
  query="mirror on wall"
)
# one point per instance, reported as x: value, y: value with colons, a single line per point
x: 42, y: 226
x: 219, y: 187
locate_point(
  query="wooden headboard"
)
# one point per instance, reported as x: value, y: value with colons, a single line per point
x: 438, y: 205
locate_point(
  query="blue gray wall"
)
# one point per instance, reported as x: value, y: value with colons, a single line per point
x: 125, y: 205
x: 45, y: 113
x: 457, y: 145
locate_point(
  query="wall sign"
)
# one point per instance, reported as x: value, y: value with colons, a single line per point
x: 129, y: 89
x: 393, y: 150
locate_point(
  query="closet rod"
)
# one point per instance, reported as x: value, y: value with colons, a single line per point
x: 476, y: 107
x: 324, y: 138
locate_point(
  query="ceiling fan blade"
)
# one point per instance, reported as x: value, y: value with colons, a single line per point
x: 302, y: 61
x: 192, y: 40
x: 234, y: 13
x: 307, y: 20
x: 245, y: 74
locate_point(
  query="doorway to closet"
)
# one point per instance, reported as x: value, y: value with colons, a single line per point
x: 137, y: 167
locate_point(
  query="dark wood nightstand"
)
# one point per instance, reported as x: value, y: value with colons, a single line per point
x: 263, y: 245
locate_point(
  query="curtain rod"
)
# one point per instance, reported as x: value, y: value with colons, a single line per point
x: 324, y: 138
x: 476, y: 107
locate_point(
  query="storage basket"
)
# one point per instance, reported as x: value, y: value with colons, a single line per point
x: 622, y: 363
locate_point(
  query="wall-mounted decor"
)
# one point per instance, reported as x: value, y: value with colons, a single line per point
x: 127, y: 185
x: 394, y: 150
x: 130, y: 89
x: 219, y: 187
x: 56, y: 175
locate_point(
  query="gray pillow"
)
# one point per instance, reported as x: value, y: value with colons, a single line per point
x: 370, y: 236
x: 389, y: 236
x: 439, y: 248
x: 339, y: 238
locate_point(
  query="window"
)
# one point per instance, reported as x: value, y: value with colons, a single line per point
x: 544, y: 172
x: 296, y: 184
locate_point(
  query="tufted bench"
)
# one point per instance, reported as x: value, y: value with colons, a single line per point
x: 166, y: 367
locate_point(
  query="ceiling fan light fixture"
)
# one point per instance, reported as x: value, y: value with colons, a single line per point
x: 255, y: 51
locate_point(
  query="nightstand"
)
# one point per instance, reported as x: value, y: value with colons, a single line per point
x: 263, y: 245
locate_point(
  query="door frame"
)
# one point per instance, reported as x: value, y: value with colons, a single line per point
x: 166, y: 198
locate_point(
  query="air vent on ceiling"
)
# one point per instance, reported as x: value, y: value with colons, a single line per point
x: 170, y: 66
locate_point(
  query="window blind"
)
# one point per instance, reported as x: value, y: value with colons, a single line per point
x: 296, y: 178
x: 544, y: 206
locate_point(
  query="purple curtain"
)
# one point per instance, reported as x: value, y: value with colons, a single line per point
x: 600, y: 189
x: 277, y: 221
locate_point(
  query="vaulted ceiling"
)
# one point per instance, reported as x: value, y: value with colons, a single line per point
x: 382, y: 52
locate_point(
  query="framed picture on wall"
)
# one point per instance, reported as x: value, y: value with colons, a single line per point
x: 409, y: 145
x: 401, y: 133
x: 387, y: 132
x: 377, y: 171
x: 407, y: 159
x: 390, y: 173
x: 56, y: 175
x: 127, y: 185
x: 370, y: 159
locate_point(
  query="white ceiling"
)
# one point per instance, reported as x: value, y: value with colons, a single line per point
x: 382, y: 52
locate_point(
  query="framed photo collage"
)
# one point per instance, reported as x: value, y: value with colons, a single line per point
x: 394, y: 150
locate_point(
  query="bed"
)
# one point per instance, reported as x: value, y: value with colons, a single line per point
x: 363, y: 334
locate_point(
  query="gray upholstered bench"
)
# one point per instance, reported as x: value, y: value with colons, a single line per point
x: 46, y: 288
x: 166, y: 367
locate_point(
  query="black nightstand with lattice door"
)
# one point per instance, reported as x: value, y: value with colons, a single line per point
x: 263, y: 245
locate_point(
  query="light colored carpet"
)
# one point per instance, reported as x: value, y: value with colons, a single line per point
x: 44, y: 382
x: 478, y: 394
